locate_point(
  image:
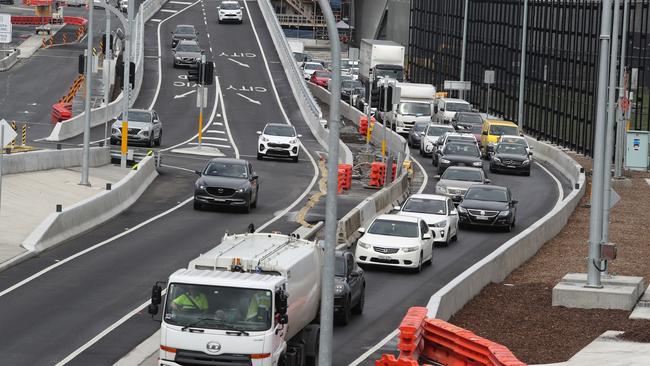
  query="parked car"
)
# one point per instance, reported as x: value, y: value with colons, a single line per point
x: 488, y: 206
x: 230, y: 11
x: 397, y: 241
x: 144, y: 127
x: 227, y: 182
x: 349, y: 287
x: 459, y: 153
x: 437, y: 211
x: 321, y: 78
x: 308, y: 68
x: 492, y: 130
x: 510, y: 158
x: 187, y: 53
x: 455, y: 181
x: 430, y: 137
x: 184, y: 32
x: 451, y: 137
x: 278, y: 140
x: 415, y: 134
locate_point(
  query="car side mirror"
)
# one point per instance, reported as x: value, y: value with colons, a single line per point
x: 442, y: 109
x: 299, y: 135
x: 361, y: 230
x: 436, y: 177
x: 197, y: 172
x: 218, y: 8
x: 202, y: 51
x: 531, y: 147
x: 396, y: 208
x: 421, y: 133
x: 426, y: 236
x: 259, y: 132
x: 514, y: 202
x: 487, y: 181
x: 241, y: 8
x: 484, y: 133
x: 254, y: 176
x: 530, y: 153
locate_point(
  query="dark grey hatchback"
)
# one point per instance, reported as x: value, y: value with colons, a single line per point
x: 227, y: 182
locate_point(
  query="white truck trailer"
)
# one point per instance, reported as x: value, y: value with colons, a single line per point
x: 385, y: 59
x: 415, y: 105
x: 252, y: 300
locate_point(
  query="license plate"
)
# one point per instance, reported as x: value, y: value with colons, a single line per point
x: 482, y: 217
x: 384, y: 257
x: 510, y: 166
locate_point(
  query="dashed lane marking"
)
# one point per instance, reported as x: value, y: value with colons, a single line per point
x: 180, y: 2
x: 209, y: 144
x: 155, y: 20
x: 169, y: 11
x: 214, y: 138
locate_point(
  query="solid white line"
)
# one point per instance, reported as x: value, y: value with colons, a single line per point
x: 177, y: 167
x: 155, y: 20
x: 374, y: 348
x: 155, y: 96
x: 168, y: 11
x: 179, y: 2
x: 212, y: 145
x: 214, y: 138
x: 425, y: 178
x: 184, y: 94
x: 286, y: 119
x: 238, y: 62
x: 249, y: 99
x: 225, y: 116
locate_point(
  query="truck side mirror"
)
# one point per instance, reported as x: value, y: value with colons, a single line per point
x: 281, y: 303
x: 152, y: 309
x: 284, y: 319
x: 156, y: 294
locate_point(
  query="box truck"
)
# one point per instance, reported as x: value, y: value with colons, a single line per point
x: 415, y: 105
x: 385, y: 59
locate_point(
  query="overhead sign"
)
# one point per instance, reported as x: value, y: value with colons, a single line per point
x: 9, y: 133
x: 489, y: 77
x: 5, y: 28
x: 457, y: 85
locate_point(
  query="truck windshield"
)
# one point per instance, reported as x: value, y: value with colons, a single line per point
x: 457, y: 107
x: 392, y: 74
x: 414, y: 109
x: 217, y: 307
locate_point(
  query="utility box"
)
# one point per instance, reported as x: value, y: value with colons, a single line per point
x: 636, y: 155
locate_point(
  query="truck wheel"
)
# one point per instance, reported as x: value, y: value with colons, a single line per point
x: 344, y: 317
x: 358, y: 309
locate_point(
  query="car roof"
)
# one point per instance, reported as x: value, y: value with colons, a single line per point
x: 513, y: 137
x: 500, y: 122
x: 433, y: 197
x: 441, y: 125
x: 230, y: 2
x: 188, y: 41
x: 490, y: 186
x: 456, y: 167
x: 184, y: 26
x: 393, y: 217
x: 229, y: 160
x: 278, y: 124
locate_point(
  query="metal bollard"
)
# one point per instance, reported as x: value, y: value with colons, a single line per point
x: 24, y: 135
x: 59, y: 208
x: 109, y: 186
x: 58, y: 146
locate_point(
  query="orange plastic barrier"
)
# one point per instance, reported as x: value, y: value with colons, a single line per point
x: 377, y: 174
x: 444, y: 344
x: 363, y: 124
x: 341, y: 180
x: 35, y: 20
x: 347, y: 175
x: 61, y: 112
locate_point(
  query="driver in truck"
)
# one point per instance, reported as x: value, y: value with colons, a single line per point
x: 191, y: 299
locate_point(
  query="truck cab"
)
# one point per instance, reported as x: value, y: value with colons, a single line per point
x: 445, y: 109
x: 415, y: 105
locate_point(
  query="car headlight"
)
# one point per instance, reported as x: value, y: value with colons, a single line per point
x: 526, y: 162
x: 339, y: 289
x: 201, y: 186
x: 144, y: 133
x: 441, y: 189
x: 178, y: 57
x: 115, y: 131
x: 462, y: 209
x: 410, y: 249
x: 240, y: 190
x: 440, y: 224
x: 477, y: 163
x: 294, y: 141
x: 496, y: 159
x: 504, y: 213
x: 444, y: 161
x: 264, y: 139
x: 363, y: 245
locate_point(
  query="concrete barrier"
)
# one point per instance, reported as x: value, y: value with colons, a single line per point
x: 10, y: 60
x: 53, y: 159
x: 513, y: 253
x: 85, y: 215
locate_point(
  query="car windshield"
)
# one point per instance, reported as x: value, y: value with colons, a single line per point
x: 419, y: 127
x: 280, y: 130
x: 470, y: 118
x: 230, y: 6
x: 217, y: 307
x: 415, y: 109
x: 394, y: 228
x: 476, y: 129
x: 439, y: 130
x: 426, y: 206
x: 456, y: 107
x: 511, y: 149
x: 462, y: 174
x: 340, y: 266
x: 503, y: 130
x: 462, y: 149
x: 314, y: 66
x: 223, y: 169
x: 188, y: 47
x: 184, y: 30
x: 323, y: 74
x: 486, y: 194
x: 135, y: 116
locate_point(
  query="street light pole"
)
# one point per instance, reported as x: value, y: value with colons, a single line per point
x: 107, y: 71
x: 620, y: 118
x: 89, y: 76
x: 327, y: 299
x: 126, y: 89
x: 522, y: 69
x: 596, y: 213
x: 464, y: 47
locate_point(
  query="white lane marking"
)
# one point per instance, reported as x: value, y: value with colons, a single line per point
x: 181, y: 2
x: 169, y: 11
x: 225, y: 116
x: 374, y: 348
x: 155, y: 20
x: 286, y: 119
x: 177, y: 167
x: 208, y: 33
x: 214, y: 138
x: 184, y: 94
x: 207, y: 125
x: 155, y: 96
x: 250, y: 99
x: 216, y: 131
x: 218, y: 123
x: 425, y: 178
x: 210, y: 49
x: 90, y: 249
x: 560, y: 191
x: 212, y: 145
x: 239, y: 62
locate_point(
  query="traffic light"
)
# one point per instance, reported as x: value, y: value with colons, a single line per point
x: 208, y: 73
x: 194, y: 72
x: 82, y: 63
x: 103, y: 42
x: 389, y: 95
x: 201, y: 73
x: 119, y: 70
x: 374, y: 97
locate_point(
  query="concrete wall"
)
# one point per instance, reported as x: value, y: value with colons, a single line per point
x: 513, y: 253
x: 85, y: 215
x: 367, y: 18
x: 397, y: 21
x: 52, y: 159
x: 10, y: 60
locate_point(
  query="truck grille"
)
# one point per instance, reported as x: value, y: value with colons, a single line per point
x: 483, y: 213
x: 192, y: 358
x: 217, y: 191
x: 385, y: 250
x: 133, y: 131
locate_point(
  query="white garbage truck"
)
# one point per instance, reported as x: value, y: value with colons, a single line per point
x: 252, y: 300
x: 415, y: 105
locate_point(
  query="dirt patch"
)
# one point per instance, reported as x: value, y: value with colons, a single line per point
x: 518, y: 313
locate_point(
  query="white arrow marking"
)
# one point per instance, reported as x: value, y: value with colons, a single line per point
x: 184, y: 94
x: 249, y: 99
x: 238, y: 62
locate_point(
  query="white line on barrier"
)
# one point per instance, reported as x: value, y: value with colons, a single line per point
x: 374, y: 348
x: 425, y: 178
x: 225, y: 116
x: 169, y: 11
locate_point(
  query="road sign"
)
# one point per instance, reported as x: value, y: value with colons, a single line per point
x: 9, y: 133
x: 457, y: 85
x: 5, y: 28
x: 489, y: 77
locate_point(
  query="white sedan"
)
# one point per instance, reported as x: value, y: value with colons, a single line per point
x: 278, y: 140
x: 430, y: 137
x: 397, y: 241
x: 308, y: 68
x: 437, y: 211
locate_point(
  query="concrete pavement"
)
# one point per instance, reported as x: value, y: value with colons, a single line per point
x: 28, y: 198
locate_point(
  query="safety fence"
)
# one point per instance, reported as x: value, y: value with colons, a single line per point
x: 438, y: 342
x: 36, y: 20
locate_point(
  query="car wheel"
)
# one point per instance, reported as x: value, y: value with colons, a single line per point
x: 257, y: 196
x: 418, y: 269
x: 247, y: 208
x: 492, y: 170
x: 260, y: 156
x: 197, y: 205
x: 421, y: 152
x: 159, y: 139
x: 455, y: 237
x: 343, y: 318
x: 447, y: 241
x: 527, y: 173
x: 358, y: 308
x: 150, y: 142
x: 295, y: 159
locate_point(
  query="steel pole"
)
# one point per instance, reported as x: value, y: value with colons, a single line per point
x: 200, y: 97
x: 327, y: 300
x: 620, y: 118
x: 463, y: 51
x: 522, y: 69
x: 2, y: 153
x: 107, y: 72
x: 89, y: 77
x: 596, y: 213
x: 609, y: 133
x: 369, y: 111
x: 126, y: 61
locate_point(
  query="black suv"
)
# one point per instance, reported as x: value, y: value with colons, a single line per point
x: 349, y: 287
x: 184, y: 32
x: 458, y: 153
x: 487, y: 205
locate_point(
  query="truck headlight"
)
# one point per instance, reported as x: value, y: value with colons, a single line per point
x: 444, y: 161
x: 339, y: 289
x: 410, y: 249
x: 363, y: 245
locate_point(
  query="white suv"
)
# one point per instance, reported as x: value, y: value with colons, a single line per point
x: 437, y: 211
x: 230, y: 11
x: 278, y: 140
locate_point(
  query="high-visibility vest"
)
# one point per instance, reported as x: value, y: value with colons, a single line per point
x: 185, y: 302
x: 257, y: 301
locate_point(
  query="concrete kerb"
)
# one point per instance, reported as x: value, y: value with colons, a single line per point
x: 513, y: 253
x: 52, y: 159
x: 85, y: 215
x: 10, y: 60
